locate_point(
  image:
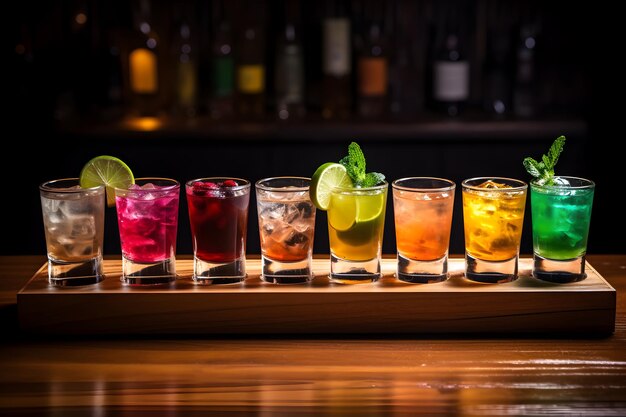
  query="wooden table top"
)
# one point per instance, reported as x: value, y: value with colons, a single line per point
x: 406, y: 376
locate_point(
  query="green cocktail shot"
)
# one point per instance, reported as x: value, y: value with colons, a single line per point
x: 561, y: 217
x: 561, y: 214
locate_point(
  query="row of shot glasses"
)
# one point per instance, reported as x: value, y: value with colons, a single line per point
x: 147, y: 213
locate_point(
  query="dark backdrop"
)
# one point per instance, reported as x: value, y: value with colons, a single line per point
x: 36, y: 147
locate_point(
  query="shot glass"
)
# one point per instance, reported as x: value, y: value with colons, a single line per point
x: 73, y: 219
x: 561, y: 214
x: 493, y: 215
x: 423, y: 217
x: 218, y: 214
x: 286, y: 228
x: 356, y: 219
x: 147, y: 215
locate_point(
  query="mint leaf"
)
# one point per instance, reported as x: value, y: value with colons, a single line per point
x: 533, y: 167
x: 355, y: 164
x: 372, y: 179
x: 545, y: 159
x: 555, y: 152
x: 544, y: 171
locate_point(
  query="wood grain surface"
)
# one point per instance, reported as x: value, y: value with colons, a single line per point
x: 337, y: 376
x: 457, y: 305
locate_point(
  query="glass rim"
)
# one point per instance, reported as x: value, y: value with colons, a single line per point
x: 45, y: 186
x: 451, y: 184
x: 263, y: 187
x: 523, y: 185
x: 349, y: 190
x: 246, y: 183
x: 587, y: 184
x: 175, y: 185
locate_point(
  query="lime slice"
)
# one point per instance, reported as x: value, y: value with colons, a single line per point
x: 108, y: 171
x: 347, y: 211
x: 369, y: 207
x: 325, y: 178
x: 342, y: 212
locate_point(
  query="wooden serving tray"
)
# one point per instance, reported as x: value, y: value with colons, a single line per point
x: 456, y: 306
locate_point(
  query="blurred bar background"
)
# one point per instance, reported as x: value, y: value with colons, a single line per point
x: 259, y: 88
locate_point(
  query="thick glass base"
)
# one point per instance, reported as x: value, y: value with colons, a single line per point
x: 72, y: 274
x: 490, y: 272
x: 559, y: 271
x: 276, y: 272
x: 343, y: 271
x: 422, y: 272
x: 157, y: 273
x: 210, y: 273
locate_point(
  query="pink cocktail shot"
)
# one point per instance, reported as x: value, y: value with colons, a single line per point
x: 147, y: 214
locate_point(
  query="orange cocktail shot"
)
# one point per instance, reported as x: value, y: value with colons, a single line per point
x: 423, y: 218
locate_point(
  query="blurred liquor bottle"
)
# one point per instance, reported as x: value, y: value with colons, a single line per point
x: 372, y: 67
x: 222, y: 66
x: 498, y: 64
x: 143, y: 63
x: 250, y: 100
x: 289, y: 70
x: 406, y: 70
x: 524, y: 94
x: 186, y: 70
x: 451, y: 69
x: 336, y: 62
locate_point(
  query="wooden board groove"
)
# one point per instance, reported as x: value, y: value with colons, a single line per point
x: 457, y: 306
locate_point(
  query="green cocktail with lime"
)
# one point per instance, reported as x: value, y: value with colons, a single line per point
x: 356, y: 218
x: 355, y: 203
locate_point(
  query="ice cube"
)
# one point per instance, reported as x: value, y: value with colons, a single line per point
x: 149, y: 186
x: 306, y: 209
x: 563, y: 182
x: 276, y: 196
x: 134, y: 187
x: 67, y: 208
x: 485, y: 210
x: 492, y: 184
x: 276, y: 211
x: 82, y: 226
x: 268, y: 228
x: 296, y: 238
x: 65, y: 239
x: 280, y: 233
x: 80, y: 248
x: 55, y: 217
x: 503, y: 242
x: 50, y: 205
x: 291, y: 213
x: 168, y: 203
x: 301, y: 225
x: 573, y: 238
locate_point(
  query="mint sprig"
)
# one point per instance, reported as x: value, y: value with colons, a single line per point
x: 355, y: 165
x: 543, y: 170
